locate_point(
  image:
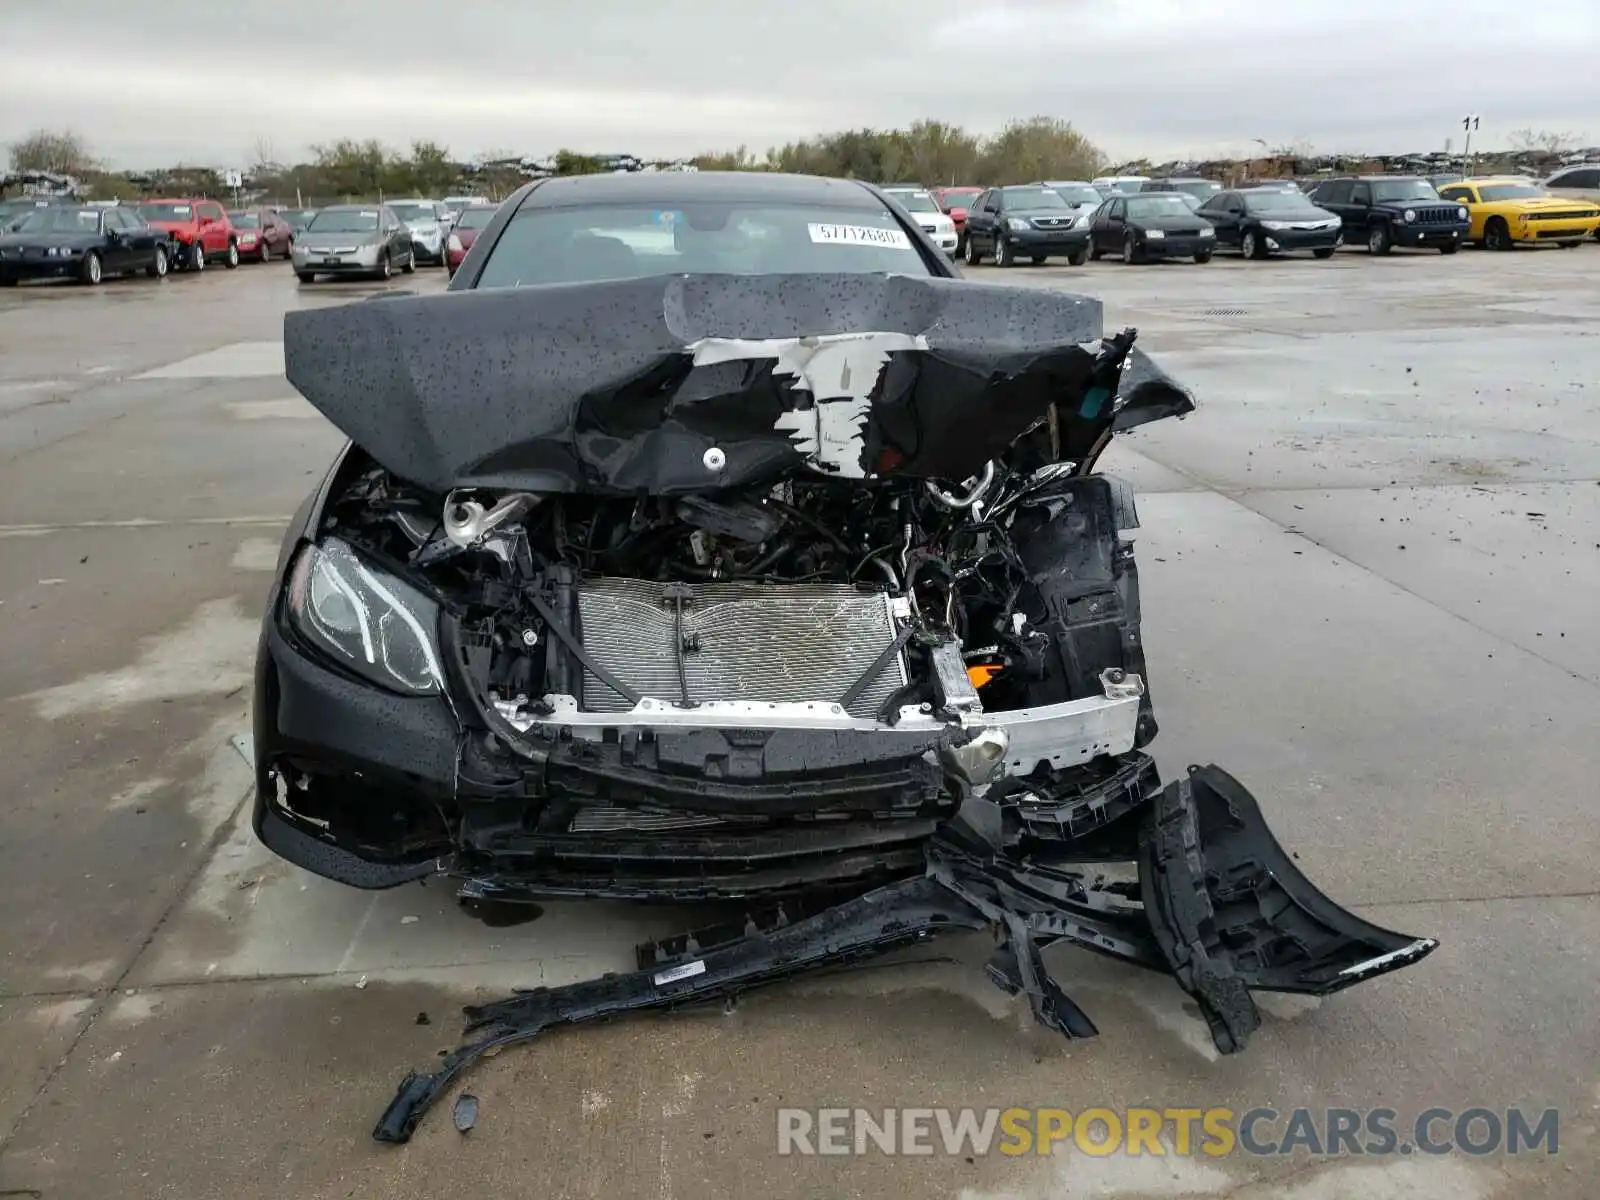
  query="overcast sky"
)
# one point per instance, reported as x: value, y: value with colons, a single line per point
x: 159, y: 81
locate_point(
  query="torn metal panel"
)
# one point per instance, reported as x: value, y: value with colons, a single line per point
x: 683, y: 384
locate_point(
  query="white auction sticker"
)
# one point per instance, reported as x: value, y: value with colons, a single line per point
x: 687, y: 971
x: 860, y: 235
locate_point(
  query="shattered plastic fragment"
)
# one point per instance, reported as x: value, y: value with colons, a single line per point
x: 466, y: 1111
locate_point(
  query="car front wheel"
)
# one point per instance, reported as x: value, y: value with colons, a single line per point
x: 158, y: 265
x: 1378, y: 240
x: 232, y: 260
x: 92, y: 271
x: 1004, y: 255
x: 1325, y: 252
x: 971, y: 256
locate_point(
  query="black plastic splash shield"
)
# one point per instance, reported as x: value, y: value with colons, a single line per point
x: 1219, y: 904
x: 629, y: 386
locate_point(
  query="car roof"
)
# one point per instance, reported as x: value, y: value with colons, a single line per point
x: 665, y: 187
x: 1066, y: 182
x: 1182, y: 179
x: 352, y: 207
x: 1477, y: 179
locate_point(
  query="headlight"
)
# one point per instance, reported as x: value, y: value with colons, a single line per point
x: 1208, y: 231
x: 1411, y: 215
x: 1017, y: 224
x: 1082, y: 222
x: 1461, y: 213
x: 1155, y: 234
x: 1274, y: 224
x: 378, y: 626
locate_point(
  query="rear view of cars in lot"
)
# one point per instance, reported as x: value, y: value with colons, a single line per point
x: 84, y: 243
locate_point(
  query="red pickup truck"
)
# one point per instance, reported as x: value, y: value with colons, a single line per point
x: 200, y: 227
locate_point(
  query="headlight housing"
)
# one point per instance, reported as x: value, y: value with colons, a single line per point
x: 1411, y: 215
x: 1017, y: 224
x: 1461, y: 213
x: 1082, y: 222
x: 1275, y: 224
x: 372, y: 623
x: 1155, y: 234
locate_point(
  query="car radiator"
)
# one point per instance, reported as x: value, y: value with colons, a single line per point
x: 742, y: 641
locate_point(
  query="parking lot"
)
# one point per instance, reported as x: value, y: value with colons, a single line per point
x: 1369, y: 565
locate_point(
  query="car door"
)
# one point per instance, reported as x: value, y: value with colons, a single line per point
x: 398, y: 244
x: 1335, y: 197
x: 1108, y: 233
x: 1224, y: 211
x: 213, y: 227
x: 981, y: 220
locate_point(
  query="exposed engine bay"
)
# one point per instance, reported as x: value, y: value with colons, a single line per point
x: 744, y: 604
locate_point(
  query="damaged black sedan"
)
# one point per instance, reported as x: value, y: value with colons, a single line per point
x: 709, y: 540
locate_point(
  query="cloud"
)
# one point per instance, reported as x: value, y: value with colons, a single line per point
x: 154, y: 83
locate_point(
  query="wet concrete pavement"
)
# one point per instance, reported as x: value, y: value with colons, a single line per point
x: 1368, y: 565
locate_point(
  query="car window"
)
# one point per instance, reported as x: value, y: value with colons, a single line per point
x: 1398, y: 191
x: 61, y: 220
x: 1361, y: 192
x: 1156, y: 204
x: 476, y: 217
x: 1579, y: 177
x: 1077, y: 193
x: 1117, y: 208
x: 175, y: 213
x: 1335, y: 191
x: 1492, y: 192
x: 596, y: 242
x: 245, y: 220
x: 344, y: 220
x: 1032, y: 197
x: 1289, y: 206
x: 1455, y: 192
x: 913, y: 199
x: 211, y: 212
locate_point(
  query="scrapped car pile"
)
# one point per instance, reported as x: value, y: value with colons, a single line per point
x: 795, y: 591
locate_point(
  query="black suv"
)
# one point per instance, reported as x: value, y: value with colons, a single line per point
x: 1386, y: 211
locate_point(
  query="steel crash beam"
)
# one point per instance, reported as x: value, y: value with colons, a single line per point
x: 1218, y: 904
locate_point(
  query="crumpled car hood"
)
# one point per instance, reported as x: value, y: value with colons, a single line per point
x: 687, y: 383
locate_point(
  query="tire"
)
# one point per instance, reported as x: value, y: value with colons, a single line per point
x: 971, y: 254
x: 1449, y: 247
x: 158, y: 266
x: 1567, y: 245
x: 411, y: 264
x: 1078, y: 257
x: 92, y: 271
x: 1325, y: 252
x: 1039, y: 259
x: 1130, y: 252
x: 232, y: 261
x: 197, y: 257
x: 1378, y: 240
x: 385, y: 269
x: 1095, y: 253
x: 1497, y: 235
x: 9, y: 281
x: 1004, y: 255
x: 306, y: 276
x: 266, y: 251
x: 961, y: 247
x: 1203, y: 257
x: 1251, y: 245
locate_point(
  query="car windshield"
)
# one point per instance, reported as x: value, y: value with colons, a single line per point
x: 1286, y: 204
x: 414, y: 212
x: 245, y: 220
x: 960, y: 197
x: 167, y: 212
x: 344, y: 220
x: 1203, y: 188
x: 913, y: 201
x: 1158, y: 204
x: 1032, y: 197
x: 1076, y: 193
x: 1510, y: 191
x: 61, y: 220
x: 591, y: 243
x: 476, y: 217
x: 461, y: 205
x: 298, y: 218
x: 1391, y: 191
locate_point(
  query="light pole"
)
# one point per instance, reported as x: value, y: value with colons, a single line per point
x: 1468, y: 123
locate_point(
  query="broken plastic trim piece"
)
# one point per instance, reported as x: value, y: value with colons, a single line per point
x: 1219, y: 904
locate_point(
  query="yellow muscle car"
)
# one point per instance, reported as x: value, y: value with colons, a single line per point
x: 1507, y: 211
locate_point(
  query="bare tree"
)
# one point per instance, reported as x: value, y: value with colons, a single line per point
x: 264, y: 156
x: 59, y: 150
x: 1542, y: 141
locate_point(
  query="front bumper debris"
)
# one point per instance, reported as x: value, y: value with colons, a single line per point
x: 1217, y: 903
